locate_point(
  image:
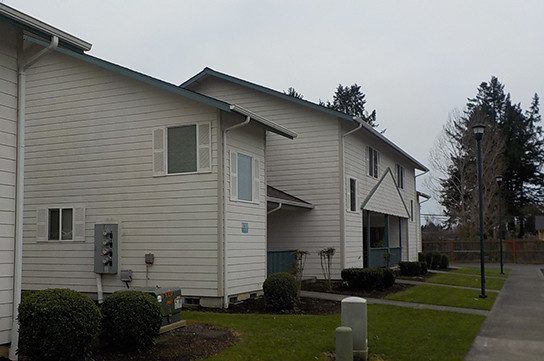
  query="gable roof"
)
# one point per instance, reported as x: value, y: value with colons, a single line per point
x: 261, y: 121
x: 208, y: 72
x: 37, y: 27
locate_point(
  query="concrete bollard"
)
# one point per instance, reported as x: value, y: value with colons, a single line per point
x: 354, y: 316
x: 344, y: 344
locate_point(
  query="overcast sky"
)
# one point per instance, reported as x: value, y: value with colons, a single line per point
x: 415, y: 60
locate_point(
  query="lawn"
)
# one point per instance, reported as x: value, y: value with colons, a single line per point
x: 445, y: 296
x: 466, y: 280
x: 395, y: 333
x: 490, y: 271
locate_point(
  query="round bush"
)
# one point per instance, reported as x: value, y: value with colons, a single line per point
x: 280, y: 291
x: 130, y: 319
x: 57, y: 324
x: 388, y: 278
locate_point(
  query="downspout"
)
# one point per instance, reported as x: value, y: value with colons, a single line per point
x: 343, y: 188
x: 19, y: 198
x: 225, y: 249
x: 275, y: 209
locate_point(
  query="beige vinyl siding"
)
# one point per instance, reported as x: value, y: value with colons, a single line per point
x: 356, y: 163
x: 246, y: 251
x: 306, y: 167
x: 89, y: 144
x: 8, y: 142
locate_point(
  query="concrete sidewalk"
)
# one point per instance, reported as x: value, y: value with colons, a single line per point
x: 514, y: 329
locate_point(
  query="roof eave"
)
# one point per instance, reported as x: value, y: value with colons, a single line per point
x: 33, y: 23
x: 273, y: 127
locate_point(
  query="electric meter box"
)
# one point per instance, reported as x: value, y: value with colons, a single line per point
x: 170, y: 301
x: 106, y: 241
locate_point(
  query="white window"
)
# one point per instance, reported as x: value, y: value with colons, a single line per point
x: 60, y: 224
x: 352, y: 195
x: 244, y: 177
x: 182, y: 149
x: 400, y: 176
x: 373, y: 160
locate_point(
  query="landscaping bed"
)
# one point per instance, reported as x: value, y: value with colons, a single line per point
x: 194, y: 342
x: 339, y: 287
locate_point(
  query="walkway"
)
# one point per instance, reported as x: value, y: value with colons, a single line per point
x: 514, y: 329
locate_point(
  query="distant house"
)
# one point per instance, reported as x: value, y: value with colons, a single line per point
x: 109, y: 152
x: 361, y: 186
x: 539, y: 226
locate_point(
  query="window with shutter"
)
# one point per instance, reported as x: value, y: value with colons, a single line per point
x: 245, y: 177
x: 256, y: 181
x: 182, y: 149
x: 60, y: 224
x: 373, y: 162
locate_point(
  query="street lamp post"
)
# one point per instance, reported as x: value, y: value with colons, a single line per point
x: 478, y: 134
x: 499, y: 182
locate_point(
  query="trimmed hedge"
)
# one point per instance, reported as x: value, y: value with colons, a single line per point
x: 57, y: 325
x: 435, y: 260
x: 368, y: 279
x: 280, y: 291
x: 130, y: 319
x: 412, y: 269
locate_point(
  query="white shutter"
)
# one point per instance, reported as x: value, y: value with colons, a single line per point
x: 79, y: 224
x: 159, y: 152
x: 256, y: 181
x: 346, y: 194
x: 204, y: 148
x: 41, y: 224
x: 233, y: 175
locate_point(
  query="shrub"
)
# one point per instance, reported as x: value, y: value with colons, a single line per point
x: 444, y: 261
x: 130, y: 319
x: 280, y: 291
x: 410, y: 268
x: 388, y: 279
x: 421, y: 257
x: 433, y: 259
x: 368, y: 279
x: 424, y: 268
x: 57, y: 324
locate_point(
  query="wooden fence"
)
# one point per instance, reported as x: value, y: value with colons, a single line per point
x: 514, y: 251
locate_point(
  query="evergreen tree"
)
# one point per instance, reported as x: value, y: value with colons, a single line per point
x: 351, y: 100
x: 292, y: 92
x: 512, y: 146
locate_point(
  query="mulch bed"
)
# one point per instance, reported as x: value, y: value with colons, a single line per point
x: 193, y: 342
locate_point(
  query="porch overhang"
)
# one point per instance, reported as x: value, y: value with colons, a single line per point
x: 386, y: 198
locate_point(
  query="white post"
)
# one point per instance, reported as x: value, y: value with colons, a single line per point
x: 354, y: 316
x: 344, y: 344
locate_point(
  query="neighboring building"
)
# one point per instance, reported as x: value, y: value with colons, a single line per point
x: 362, y: 186
x: 114, y: 153
x: 539, y: 226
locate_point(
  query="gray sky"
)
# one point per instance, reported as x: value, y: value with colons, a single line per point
x: 415, y: 60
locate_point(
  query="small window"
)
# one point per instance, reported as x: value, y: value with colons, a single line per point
x: 353, y: 195
x: 373, y: 158
x: 60, y: 224
x: 181, y: 149
x: 412, y: 210
x: 400, y: 176
x: 244, y: 178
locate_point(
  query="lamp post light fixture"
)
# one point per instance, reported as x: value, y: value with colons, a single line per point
x: 478, y: 135
x: 499, y: 180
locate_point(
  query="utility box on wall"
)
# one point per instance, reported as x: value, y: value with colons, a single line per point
x: 106, y: 248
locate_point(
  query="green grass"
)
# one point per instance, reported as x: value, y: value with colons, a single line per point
x: 396, y: 333
x: 445, y: 296
x: 466, y: 280
x: 492, y: 272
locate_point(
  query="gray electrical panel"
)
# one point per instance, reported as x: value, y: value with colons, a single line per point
x: 106, y: 241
